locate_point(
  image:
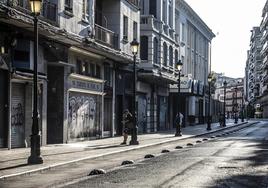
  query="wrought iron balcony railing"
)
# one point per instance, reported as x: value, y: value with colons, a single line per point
x: 106, y: 37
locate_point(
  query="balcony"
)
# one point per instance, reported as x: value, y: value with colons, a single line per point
x: 264, y: 35
x: 265, y: 89
x: 134, y: 2
x: 264, y: 22
x: 148, y: 22
x: 106, y: 37
x: 264, y: 48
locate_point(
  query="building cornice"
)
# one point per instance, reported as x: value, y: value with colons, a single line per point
x: 12, y: 16
x: 194, y: 19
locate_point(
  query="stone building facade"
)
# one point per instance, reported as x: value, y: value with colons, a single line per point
x: 82, y: 48
x: 195, y: 53
x: 85, y: 66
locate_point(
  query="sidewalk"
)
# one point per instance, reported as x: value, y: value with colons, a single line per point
x: 14, y: 162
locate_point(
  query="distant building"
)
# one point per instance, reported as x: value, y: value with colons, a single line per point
x: 254, y: 67
x: 263, y: 98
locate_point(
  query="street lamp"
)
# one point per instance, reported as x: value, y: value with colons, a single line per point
x: 236, y: 105
x: 35, y: 157
x: 242, y: 113
x: 134, y: 48
x: 179, y: 67
x: 209, y: 96
x: 224, y: 104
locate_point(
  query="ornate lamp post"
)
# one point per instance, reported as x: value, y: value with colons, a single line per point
x: 134, y: 47
x: 236, y: 105
x: 179, y: 67
x: 224, y: 104
x: 209, y: 96
x: 35, y: 157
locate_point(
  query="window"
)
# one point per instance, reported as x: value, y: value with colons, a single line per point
x: 92, y: 70
x: 165, y: 54
x: 144, y: 48
x: 135, y: 30
x: 88, y: 69
x: 155, y: 51
x: 183, y: 32
x: 176, y: 56
x: 142, y: 12
x: 164, y: 12
x: 152, y: 8
x: 125, y: 28
x: 170, y: 15
x: 182, y: 59
x: 107, y: 74
x: 98, y: 72
x: 86, y: 10
x: 68, y: 5
x: 170, y: 56
x: 80, y: 68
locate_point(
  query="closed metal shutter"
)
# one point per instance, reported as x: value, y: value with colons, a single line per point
x: 17, y: 116
x: 83, y: 115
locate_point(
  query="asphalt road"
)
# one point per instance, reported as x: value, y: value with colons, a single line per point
x: 237, y: 160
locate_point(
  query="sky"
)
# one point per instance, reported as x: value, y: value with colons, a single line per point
x: 231, y: 21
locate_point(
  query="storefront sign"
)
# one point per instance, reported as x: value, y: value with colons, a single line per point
x: 200, y: 88
x: 195, y: 87
x: 85, y: 84
x: 186, y: 83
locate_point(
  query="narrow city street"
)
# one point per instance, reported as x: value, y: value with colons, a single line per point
x: 238, y: 159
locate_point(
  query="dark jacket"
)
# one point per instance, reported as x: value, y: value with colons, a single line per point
x: 128, y: 121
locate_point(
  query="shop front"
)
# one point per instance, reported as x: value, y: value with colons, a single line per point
x: 85, y: 108
x: 3, y: 107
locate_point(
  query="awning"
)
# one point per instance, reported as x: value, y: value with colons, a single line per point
x: 27, y: 75
x: 156, y: 77
x: 86, y: 91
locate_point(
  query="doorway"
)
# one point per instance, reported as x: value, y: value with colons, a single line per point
x: 3, y: 108
x: 55, y: 104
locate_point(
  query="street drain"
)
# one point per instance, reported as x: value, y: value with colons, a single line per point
x: 178, y: 147
x: 189, y: 144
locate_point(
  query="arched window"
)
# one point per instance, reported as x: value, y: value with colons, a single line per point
x: 155, y: 60
x: 165, y: 54
x: 144, y: 48
x: 176, y: 56
x: 170, y: 56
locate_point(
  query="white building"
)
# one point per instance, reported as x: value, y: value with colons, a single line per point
x: 172, y: 31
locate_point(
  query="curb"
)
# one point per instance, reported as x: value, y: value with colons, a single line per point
x: 119, y: 151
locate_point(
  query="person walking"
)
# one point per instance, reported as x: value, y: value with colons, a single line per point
x: 128, y: 125
x: 178, y: 123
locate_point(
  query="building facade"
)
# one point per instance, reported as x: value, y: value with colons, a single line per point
x: 195, y: 53
x: 85, y: 65
x: 82, y: 47
x: 254, y: 67
x: 256, y: 74
x: 262, y: 100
